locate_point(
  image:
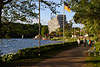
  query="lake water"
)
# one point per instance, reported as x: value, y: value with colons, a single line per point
x: 13, y: 45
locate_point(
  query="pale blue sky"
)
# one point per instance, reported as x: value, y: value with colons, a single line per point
x: 46, y: 14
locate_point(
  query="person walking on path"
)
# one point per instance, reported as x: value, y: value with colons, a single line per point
x: 89, y: 42
x: 84, y: 42
x: 78, y: 42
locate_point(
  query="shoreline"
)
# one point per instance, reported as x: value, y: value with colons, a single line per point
x: 12, y: 43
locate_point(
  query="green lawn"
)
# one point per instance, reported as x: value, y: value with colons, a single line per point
x: 93, y: 62
x: 65, y: 39
x: 97, y: 44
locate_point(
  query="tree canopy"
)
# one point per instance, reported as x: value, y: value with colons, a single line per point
x: 24, y: 10
x: 16, y: 30
x: 44, y: 31
x: 87, y: 12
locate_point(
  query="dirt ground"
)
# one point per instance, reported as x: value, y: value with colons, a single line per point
x: 69, y: 58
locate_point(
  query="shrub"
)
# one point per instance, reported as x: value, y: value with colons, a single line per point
x: 28, y: 53
x: 8, y: 58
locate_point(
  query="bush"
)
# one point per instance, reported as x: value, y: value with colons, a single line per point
x: 8, y: 58
x: 21, y: 54
x: 28, y: 53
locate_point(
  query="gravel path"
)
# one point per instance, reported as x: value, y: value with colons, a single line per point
x: 69, y: 58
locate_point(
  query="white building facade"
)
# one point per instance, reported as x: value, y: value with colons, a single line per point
x: 56, y: 23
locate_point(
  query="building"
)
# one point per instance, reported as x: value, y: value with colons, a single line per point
x: 56, y: 23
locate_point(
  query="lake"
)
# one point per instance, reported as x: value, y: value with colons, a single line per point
x: 13, y: 45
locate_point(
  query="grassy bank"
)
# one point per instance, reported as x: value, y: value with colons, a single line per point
x: 65, y: 39
x: 32, y: 54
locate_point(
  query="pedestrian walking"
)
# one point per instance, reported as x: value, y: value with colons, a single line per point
x: 89, y: 42
x: 84, y: 42
x: 78, y: 42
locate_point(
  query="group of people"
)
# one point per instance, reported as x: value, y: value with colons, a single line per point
x: 85, y: 42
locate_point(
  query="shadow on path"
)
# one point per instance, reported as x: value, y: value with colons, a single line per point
x: 69, y: 58
x: 75, y: 57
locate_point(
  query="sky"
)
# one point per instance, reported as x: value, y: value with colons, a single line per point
x: 46, y: 14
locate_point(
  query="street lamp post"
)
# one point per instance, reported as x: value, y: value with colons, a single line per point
x: 39, y: 29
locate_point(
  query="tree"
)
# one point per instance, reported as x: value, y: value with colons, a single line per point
x: 44, y: 31
x: 87, y: 12
x: 2, y: 3
x: 24, y: 10
x: 16, y: 30
x: 59, y: 32
x: 68, y: 29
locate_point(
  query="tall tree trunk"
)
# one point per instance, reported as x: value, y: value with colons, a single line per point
x: 1, y: 7
x: 0, y: 20
x: 0, y: 11
x: 0, y: 14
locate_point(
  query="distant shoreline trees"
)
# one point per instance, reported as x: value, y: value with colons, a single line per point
x: 23, y: 10
x: 16, y: 30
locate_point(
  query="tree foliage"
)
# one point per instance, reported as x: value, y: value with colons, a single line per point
x: 68, y: 30
x: 87, y: 13
x: 44, y: 31
x: 24, y: 10
x: 16, y: 30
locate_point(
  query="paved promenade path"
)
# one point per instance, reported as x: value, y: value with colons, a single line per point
x: 69, y: 58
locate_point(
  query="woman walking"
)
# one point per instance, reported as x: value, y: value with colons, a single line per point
x: 78, y: 41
